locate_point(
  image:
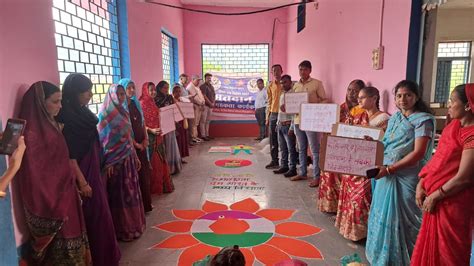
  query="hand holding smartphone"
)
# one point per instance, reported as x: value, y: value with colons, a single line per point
x: 372, y: 173
x: 13, y: 131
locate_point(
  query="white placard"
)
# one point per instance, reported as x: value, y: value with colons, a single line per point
x: 350, y: 156
x: 357, y: 132
x: 177, y: 115
x: 187, y: 109
x: 293, y: 101
x: 319, y: 117
x: 167, y: 123
x: 220, y: 149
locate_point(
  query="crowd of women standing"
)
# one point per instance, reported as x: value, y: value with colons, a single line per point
x: 418, y: 210
x: 116, y: 161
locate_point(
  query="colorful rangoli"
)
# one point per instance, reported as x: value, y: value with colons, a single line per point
x: 204, y: 232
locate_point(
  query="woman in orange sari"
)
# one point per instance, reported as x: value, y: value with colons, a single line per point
x: 445, y: 191
x: 352, y: 114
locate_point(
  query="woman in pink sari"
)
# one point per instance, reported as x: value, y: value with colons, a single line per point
x: 445, y: 191
x: 48, y: 186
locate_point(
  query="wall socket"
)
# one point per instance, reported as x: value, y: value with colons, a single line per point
x: 377, y: 58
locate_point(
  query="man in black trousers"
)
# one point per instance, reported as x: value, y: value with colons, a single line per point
x: 274, y: 92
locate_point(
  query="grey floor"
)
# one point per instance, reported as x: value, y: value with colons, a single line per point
x: 192, y: 190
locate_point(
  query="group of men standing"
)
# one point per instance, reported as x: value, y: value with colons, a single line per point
x: 284, y: 129
x: 203, y: 97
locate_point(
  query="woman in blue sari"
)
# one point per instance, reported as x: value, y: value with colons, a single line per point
x: 394, y: 218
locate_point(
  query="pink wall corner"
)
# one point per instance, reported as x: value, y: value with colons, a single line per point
x: 29, y: 49
x: 28, y: 54
x: 339, y: 38
x: 203, y: 28
x: 145, y: 22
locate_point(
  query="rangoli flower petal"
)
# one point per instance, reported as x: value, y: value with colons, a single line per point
x: 175, y: 226
x: 177, y: 241
x: 210, y: 206
x: 276, y: 214
x: 249, y: 256
x: 296, y: 229
x: 269, y: 255
x: 246, y: 205
x: 195, y: 253
x: 295, y: 247
x: 188, y: 214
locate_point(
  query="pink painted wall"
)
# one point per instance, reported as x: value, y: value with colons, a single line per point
x: 145, y: 22
x: 27, y: 50
x: 339, y: 38
x: 27, y: 54
x: 202, y: 28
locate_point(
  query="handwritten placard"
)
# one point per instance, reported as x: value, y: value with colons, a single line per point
x: 177, y: 114
x: 187, y: 109
x: 357, y: 132
x: 235, y: 182
x: 220, y: 149
x: 293, y: 101
x: 349, y: 156
x: 318, y: 117
x: 167, y: 123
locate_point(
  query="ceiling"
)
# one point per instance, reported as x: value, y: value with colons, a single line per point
x: 239, y: 3
x: 458, y: 4
x: 273, y: 3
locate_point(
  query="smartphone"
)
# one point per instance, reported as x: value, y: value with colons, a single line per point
x: 371, y: 173
x: 13, y: 130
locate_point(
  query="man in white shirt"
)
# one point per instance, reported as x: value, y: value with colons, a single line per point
x: 196, y: 97
x: 261, y: 101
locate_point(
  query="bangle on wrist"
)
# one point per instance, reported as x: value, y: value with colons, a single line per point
x: 388, y: 169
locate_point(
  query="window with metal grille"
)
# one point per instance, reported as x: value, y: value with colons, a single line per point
x: 236, y: 60
x: 87, y: 41
x: 454, y: 64
x: 169, y: 47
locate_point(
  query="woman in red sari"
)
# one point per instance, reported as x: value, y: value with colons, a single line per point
x: 48, y: 186
x: 160, y: 180
x: 355, y: 193
x: 350, y: 113
x: 445, y: 191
